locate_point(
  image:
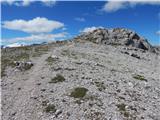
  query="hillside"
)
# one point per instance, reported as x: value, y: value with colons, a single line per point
x: 100, y: 75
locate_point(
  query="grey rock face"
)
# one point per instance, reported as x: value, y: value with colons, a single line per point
x: 117, y: 36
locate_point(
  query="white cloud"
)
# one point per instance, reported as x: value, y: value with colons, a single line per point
x: 36, y: 38
x: 112, y: 6
x: 25, y: 3
x: 48, y: 2
x: 158, y: 32
x: 80, y: 19
x: 28, y: 2
x: 89, y: 29
x: 36, y: 25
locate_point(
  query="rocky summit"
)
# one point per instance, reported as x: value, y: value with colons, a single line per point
x: 117, y: 36
x: 106, y: 74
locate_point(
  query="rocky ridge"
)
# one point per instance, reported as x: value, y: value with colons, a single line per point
x: 117, y: 36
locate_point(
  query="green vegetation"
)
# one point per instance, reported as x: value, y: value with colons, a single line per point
x: 9, y: 55
x: 140, y: 77
x: 79, y: 92
x: 50, y: 60
x: 58, y: 78
x: 121, y: 107
x: 123, y: 111
x: 50, y: 108
x: 8, y: 58
x: 22, y: 56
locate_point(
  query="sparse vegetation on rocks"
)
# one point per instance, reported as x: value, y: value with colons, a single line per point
x: 8, y: 58
x: 125, y: 112
x: 121, y: 107
x: 140, y: 77
x: 50, y: 60
x: 58, y: 78
x: 50, y: 108
x: 79, y: 92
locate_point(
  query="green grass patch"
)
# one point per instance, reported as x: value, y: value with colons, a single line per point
x: 7, y: 60
x: 22, y: 56
x: 50, y: 60
x: 140, y: 77
x: 58, y: 78
x: 79, y: 92
x: 121, y: 107
x: 50, y: 108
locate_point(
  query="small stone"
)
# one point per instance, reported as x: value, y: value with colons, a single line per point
x: 43, y: 90
x: 58, y: 112
x: 38, y: 84
x: 130, y: 84
x: 14, y: 113
x: 52, y: 91
x: 19, y: 88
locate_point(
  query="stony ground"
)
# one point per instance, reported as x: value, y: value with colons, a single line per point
x: 116, y: 83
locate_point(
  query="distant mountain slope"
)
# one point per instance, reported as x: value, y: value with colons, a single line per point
x: 117, y: 36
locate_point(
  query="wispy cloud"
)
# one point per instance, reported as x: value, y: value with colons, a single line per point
x: 89, y: 29
x: 80, y: 19
x: 36, y: 25
x: 36, y: 38
x: 112, y: 6
x: 28, y: 2
x: 48, y: 2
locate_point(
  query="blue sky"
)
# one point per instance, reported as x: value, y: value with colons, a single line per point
x: 34, y: 22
